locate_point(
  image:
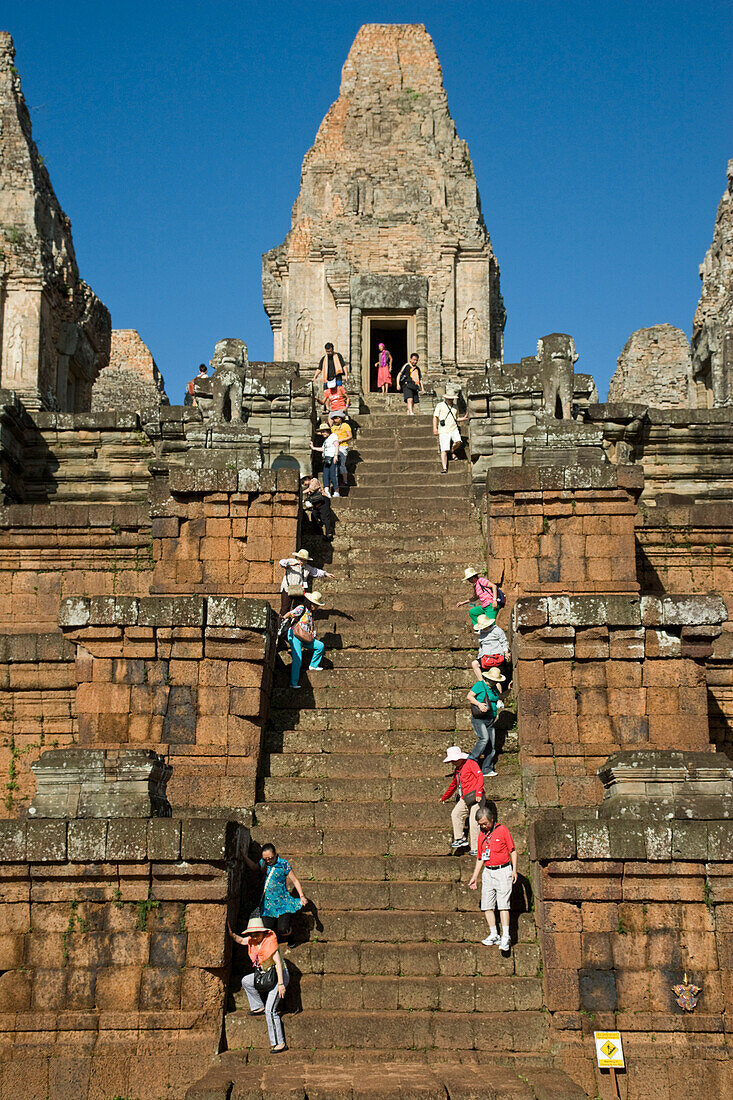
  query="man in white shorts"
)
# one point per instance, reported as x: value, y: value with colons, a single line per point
x: 497, y: 858
x: 445, y: 426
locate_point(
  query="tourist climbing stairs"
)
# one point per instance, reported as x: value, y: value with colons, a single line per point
x: 391, y: 989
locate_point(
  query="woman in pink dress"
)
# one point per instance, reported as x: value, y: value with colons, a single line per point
x: 384, y: 369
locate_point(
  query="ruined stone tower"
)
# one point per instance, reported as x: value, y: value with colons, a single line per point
x: 387, y: 239
x: 54, y: 331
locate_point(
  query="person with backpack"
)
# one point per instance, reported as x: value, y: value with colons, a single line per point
x: 496, y: 861
x: 467, y: 785
x: 487, y: 599
x: 297, y: 576
x: 445, y: 426
x: 483, y: 698
x: 190, y: 396
x: 302, y: 636
x: 409, y: 380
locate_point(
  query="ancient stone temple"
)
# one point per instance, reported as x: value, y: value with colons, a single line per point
x: 712, y: 332
x: 152, y: 740
x: 388, y: 242
x: 54, y: 331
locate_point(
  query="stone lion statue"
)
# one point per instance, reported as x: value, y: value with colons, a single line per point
x: 230, y: 364
x: 556, y: 354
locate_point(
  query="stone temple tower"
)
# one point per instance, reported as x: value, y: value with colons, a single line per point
x: 387, y: 241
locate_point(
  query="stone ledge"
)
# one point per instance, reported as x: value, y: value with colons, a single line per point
x: 619, y: 611
x: 616, y: 842
x: 77, y: 612
x: 121, y: 840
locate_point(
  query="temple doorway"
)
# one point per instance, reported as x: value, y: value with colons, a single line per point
x: 397, y: 333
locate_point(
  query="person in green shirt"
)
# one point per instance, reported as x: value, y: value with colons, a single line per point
x: 483, y: 698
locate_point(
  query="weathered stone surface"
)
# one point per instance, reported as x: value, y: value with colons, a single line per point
x: 712, y: 327
x: 654, y: 367
x: 388, y: 218
x: 131, y: 379
x: 97, y: 783
x: 54, y: 331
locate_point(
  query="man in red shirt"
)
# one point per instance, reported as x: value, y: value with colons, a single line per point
x: 497, y: 857
x: 468, y: 784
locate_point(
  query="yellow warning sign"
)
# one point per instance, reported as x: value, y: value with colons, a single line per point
x: 609, y: 1051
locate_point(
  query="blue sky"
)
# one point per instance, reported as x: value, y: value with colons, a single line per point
x: 174, y: 135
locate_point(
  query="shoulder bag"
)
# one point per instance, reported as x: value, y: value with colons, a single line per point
x: 265, y: 980
x: 303, y: 635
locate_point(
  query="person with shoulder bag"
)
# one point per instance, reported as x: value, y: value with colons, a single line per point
x: 266, y: 985
x: 298, y: 574
x: 302, y: 636
x: 467, y: 785
x: 483, y: 698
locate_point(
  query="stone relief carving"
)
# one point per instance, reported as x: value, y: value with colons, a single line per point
x: 304, y: 333
x: 230, y: 364
x: 556, y: 354
x: 471, y: 330
x: 16, y: 352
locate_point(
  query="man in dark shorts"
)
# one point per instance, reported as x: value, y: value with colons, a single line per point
x: 331, y: 371
x: 410, y: 378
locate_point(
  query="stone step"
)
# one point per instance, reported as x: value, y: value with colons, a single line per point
x: 414, y: 681
x: 332, y: 814
x: 364, y: 868
x: 374, y: 1074
x: 398, y: 742
x: 412, y: 992
x: 405, y: 1030
x: 403, y: 658
x: 363, y: 841
x: 368, y: 765
x: 322, y: 688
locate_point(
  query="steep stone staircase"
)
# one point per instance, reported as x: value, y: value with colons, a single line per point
x: 397, y: 980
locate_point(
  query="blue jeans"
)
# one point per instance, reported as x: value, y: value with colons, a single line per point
x: 256, y: 1004
x: 296, y: 652
x: 485, y: 742
x: 330, y: 475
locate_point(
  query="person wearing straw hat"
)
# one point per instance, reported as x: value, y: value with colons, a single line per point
x: 264, y: 954
x: 483, y: 698
x: 302, y: 636
x: 298, y: 574
x: 493, y: 648
x: 485, y: 600
x: 467, y: 785
x: 445, y: 426
x: 330, y: 452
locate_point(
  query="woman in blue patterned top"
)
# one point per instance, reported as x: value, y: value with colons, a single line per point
x: 277, y: 904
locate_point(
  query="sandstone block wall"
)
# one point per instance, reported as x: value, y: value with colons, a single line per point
x: 596, y: 675
x: 187, y: 676
x: 625, y: 908
x: 712, y: 326
x: 113, y: 952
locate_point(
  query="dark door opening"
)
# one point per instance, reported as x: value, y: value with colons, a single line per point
x: 393, y: 334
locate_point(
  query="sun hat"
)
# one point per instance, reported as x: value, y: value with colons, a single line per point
x: 483, y: 622
x: 338, y: 416
x: 454, y: 754
x: 468, y: 573
x: 323, y: 427
x: 493, y: 674
x: 315, y: 597
x: 255, y: 924
x: 449, y: 395
x: 302, y: 554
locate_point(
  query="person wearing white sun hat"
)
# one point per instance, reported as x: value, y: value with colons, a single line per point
x: 467, y: 785
x: 295, y: 580
x: 268, y: 980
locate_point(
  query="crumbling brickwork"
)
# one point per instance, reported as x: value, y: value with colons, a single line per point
x: 131, y: 380
x: 655, y: 368
x: 712, y: 327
